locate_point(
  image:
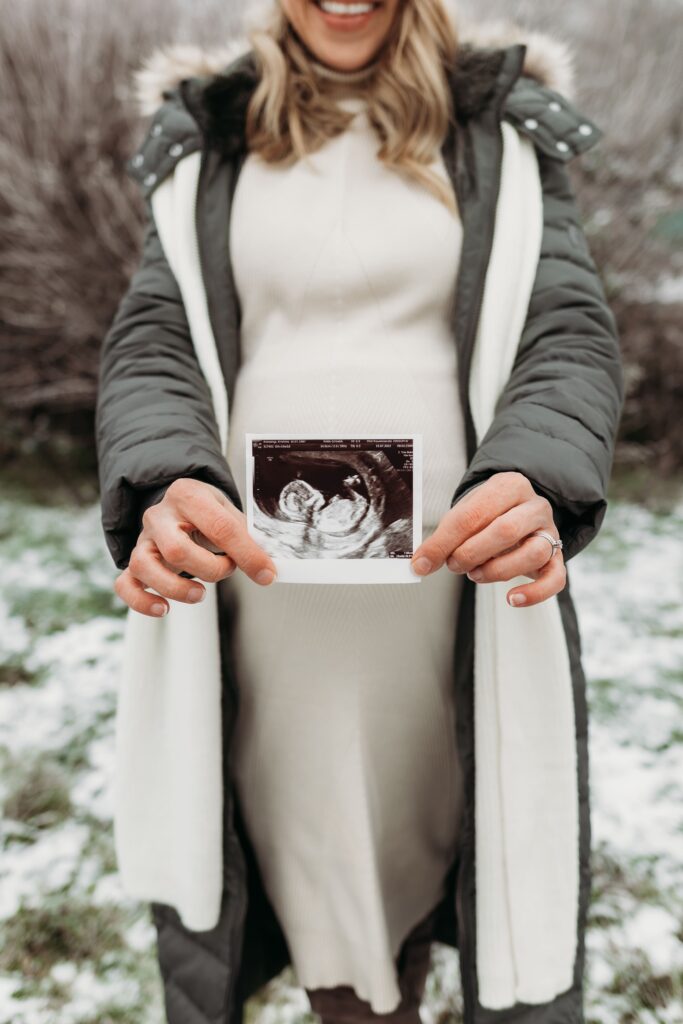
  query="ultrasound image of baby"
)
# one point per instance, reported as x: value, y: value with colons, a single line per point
x: 333, y: 498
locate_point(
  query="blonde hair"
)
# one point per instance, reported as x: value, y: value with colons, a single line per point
x: 294, y: 110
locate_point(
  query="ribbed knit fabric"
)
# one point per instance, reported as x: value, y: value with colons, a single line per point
x: 344, y: 749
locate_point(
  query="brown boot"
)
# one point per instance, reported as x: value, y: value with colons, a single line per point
x: 341, y: 1005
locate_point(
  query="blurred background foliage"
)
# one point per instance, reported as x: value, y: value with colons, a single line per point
x: 71, y: 219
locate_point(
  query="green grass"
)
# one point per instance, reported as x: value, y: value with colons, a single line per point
x: 39, y: 794
x: 58, y: 581
x: 62, y: 928
x: 47, y: 612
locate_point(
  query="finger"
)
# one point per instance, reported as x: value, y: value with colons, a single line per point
x: 183, y: 549
x: 468, y: 517
x: 190, y: 575
x: 146, y: 566
x: 523, y: 560
x: 507, y: 531
x: 133, y: 593
x: 551, y: 579
x: 193, y: 575
x: 227, y: 529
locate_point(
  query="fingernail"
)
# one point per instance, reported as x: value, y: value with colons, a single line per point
x: 159, y: 609
x: 195, y: 594
x: 422, y: 565
x: 265, y: 576
x: 475, y: 575
x: 517, y: 599
x: 454, y: 566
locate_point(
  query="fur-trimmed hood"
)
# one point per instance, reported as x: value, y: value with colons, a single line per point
x: 548, y: 59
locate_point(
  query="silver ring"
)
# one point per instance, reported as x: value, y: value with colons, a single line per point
x: 556, y: 545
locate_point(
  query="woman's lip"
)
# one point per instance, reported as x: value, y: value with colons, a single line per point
x: 346, y: 21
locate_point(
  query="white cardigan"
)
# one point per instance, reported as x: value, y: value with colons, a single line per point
x: 168, y: 784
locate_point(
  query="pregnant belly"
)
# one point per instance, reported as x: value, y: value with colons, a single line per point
x: 345, y: 402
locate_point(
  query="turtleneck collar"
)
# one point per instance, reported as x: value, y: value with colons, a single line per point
x: 337, y: 75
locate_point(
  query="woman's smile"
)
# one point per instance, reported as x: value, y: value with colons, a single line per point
x: 343, y: 34
x: 345, y: 16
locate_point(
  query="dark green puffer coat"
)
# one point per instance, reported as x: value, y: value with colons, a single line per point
x: 556, y: 422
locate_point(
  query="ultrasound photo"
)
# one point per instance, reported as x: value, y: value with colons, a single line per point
x: 336, y: 509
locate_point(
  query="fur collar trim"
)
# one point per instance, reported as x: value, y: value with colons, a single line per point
x: 200, y: 72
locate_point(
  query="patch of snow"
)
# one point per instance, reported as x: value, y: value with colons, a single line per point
x: 628, y: 593
x: 29, y: 871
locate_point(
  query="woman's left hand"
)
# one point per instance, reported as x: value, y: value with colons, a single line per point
x: 486, y: 535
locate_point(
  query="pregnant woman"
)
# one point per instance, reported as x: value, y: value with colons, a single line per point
x: 351, y: 182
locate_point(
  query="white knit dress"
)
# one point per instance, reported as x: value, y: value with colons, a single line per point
x: 344, y: 749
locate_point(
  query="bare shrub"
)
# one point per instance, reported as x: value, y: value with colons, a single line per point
x: 70, y: 219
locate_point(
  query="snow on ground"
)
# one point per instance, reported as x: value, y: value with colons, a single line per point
x: 77, y: 950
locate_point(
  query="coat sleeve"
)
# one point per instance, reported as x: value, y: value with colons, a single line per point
x: 557, y: 418
x: 154, y: 419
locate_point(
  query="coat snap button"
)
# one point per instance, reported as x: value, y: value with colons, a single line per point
x: 138, y: 160
x: 176, y: 149
x: 585, y: 129
x: 150, y: 179
x: 156, y: 129
x: 531, y: 122
x: 562, y: 146
x: 554, y: 105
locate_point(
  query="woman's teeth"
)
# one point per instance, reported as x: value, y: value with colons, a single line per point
x: 330, y: 7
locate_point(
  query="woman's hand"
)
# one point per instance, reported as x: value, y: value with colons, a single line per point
x: 166, y: 547
x: 486, y: 535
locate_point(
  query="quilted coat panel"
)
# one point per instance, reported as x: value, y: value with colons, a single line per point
x: 557, y: 418
x: 154, y: 418
x: 172, y: 134
x: 550, y: 120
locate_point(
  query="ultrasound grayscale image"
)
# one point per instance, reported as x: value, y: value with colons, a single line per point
x: 334, y: 498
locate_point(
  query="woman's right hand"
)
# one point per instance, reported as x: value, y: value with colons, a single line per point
x: 165, y: 547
